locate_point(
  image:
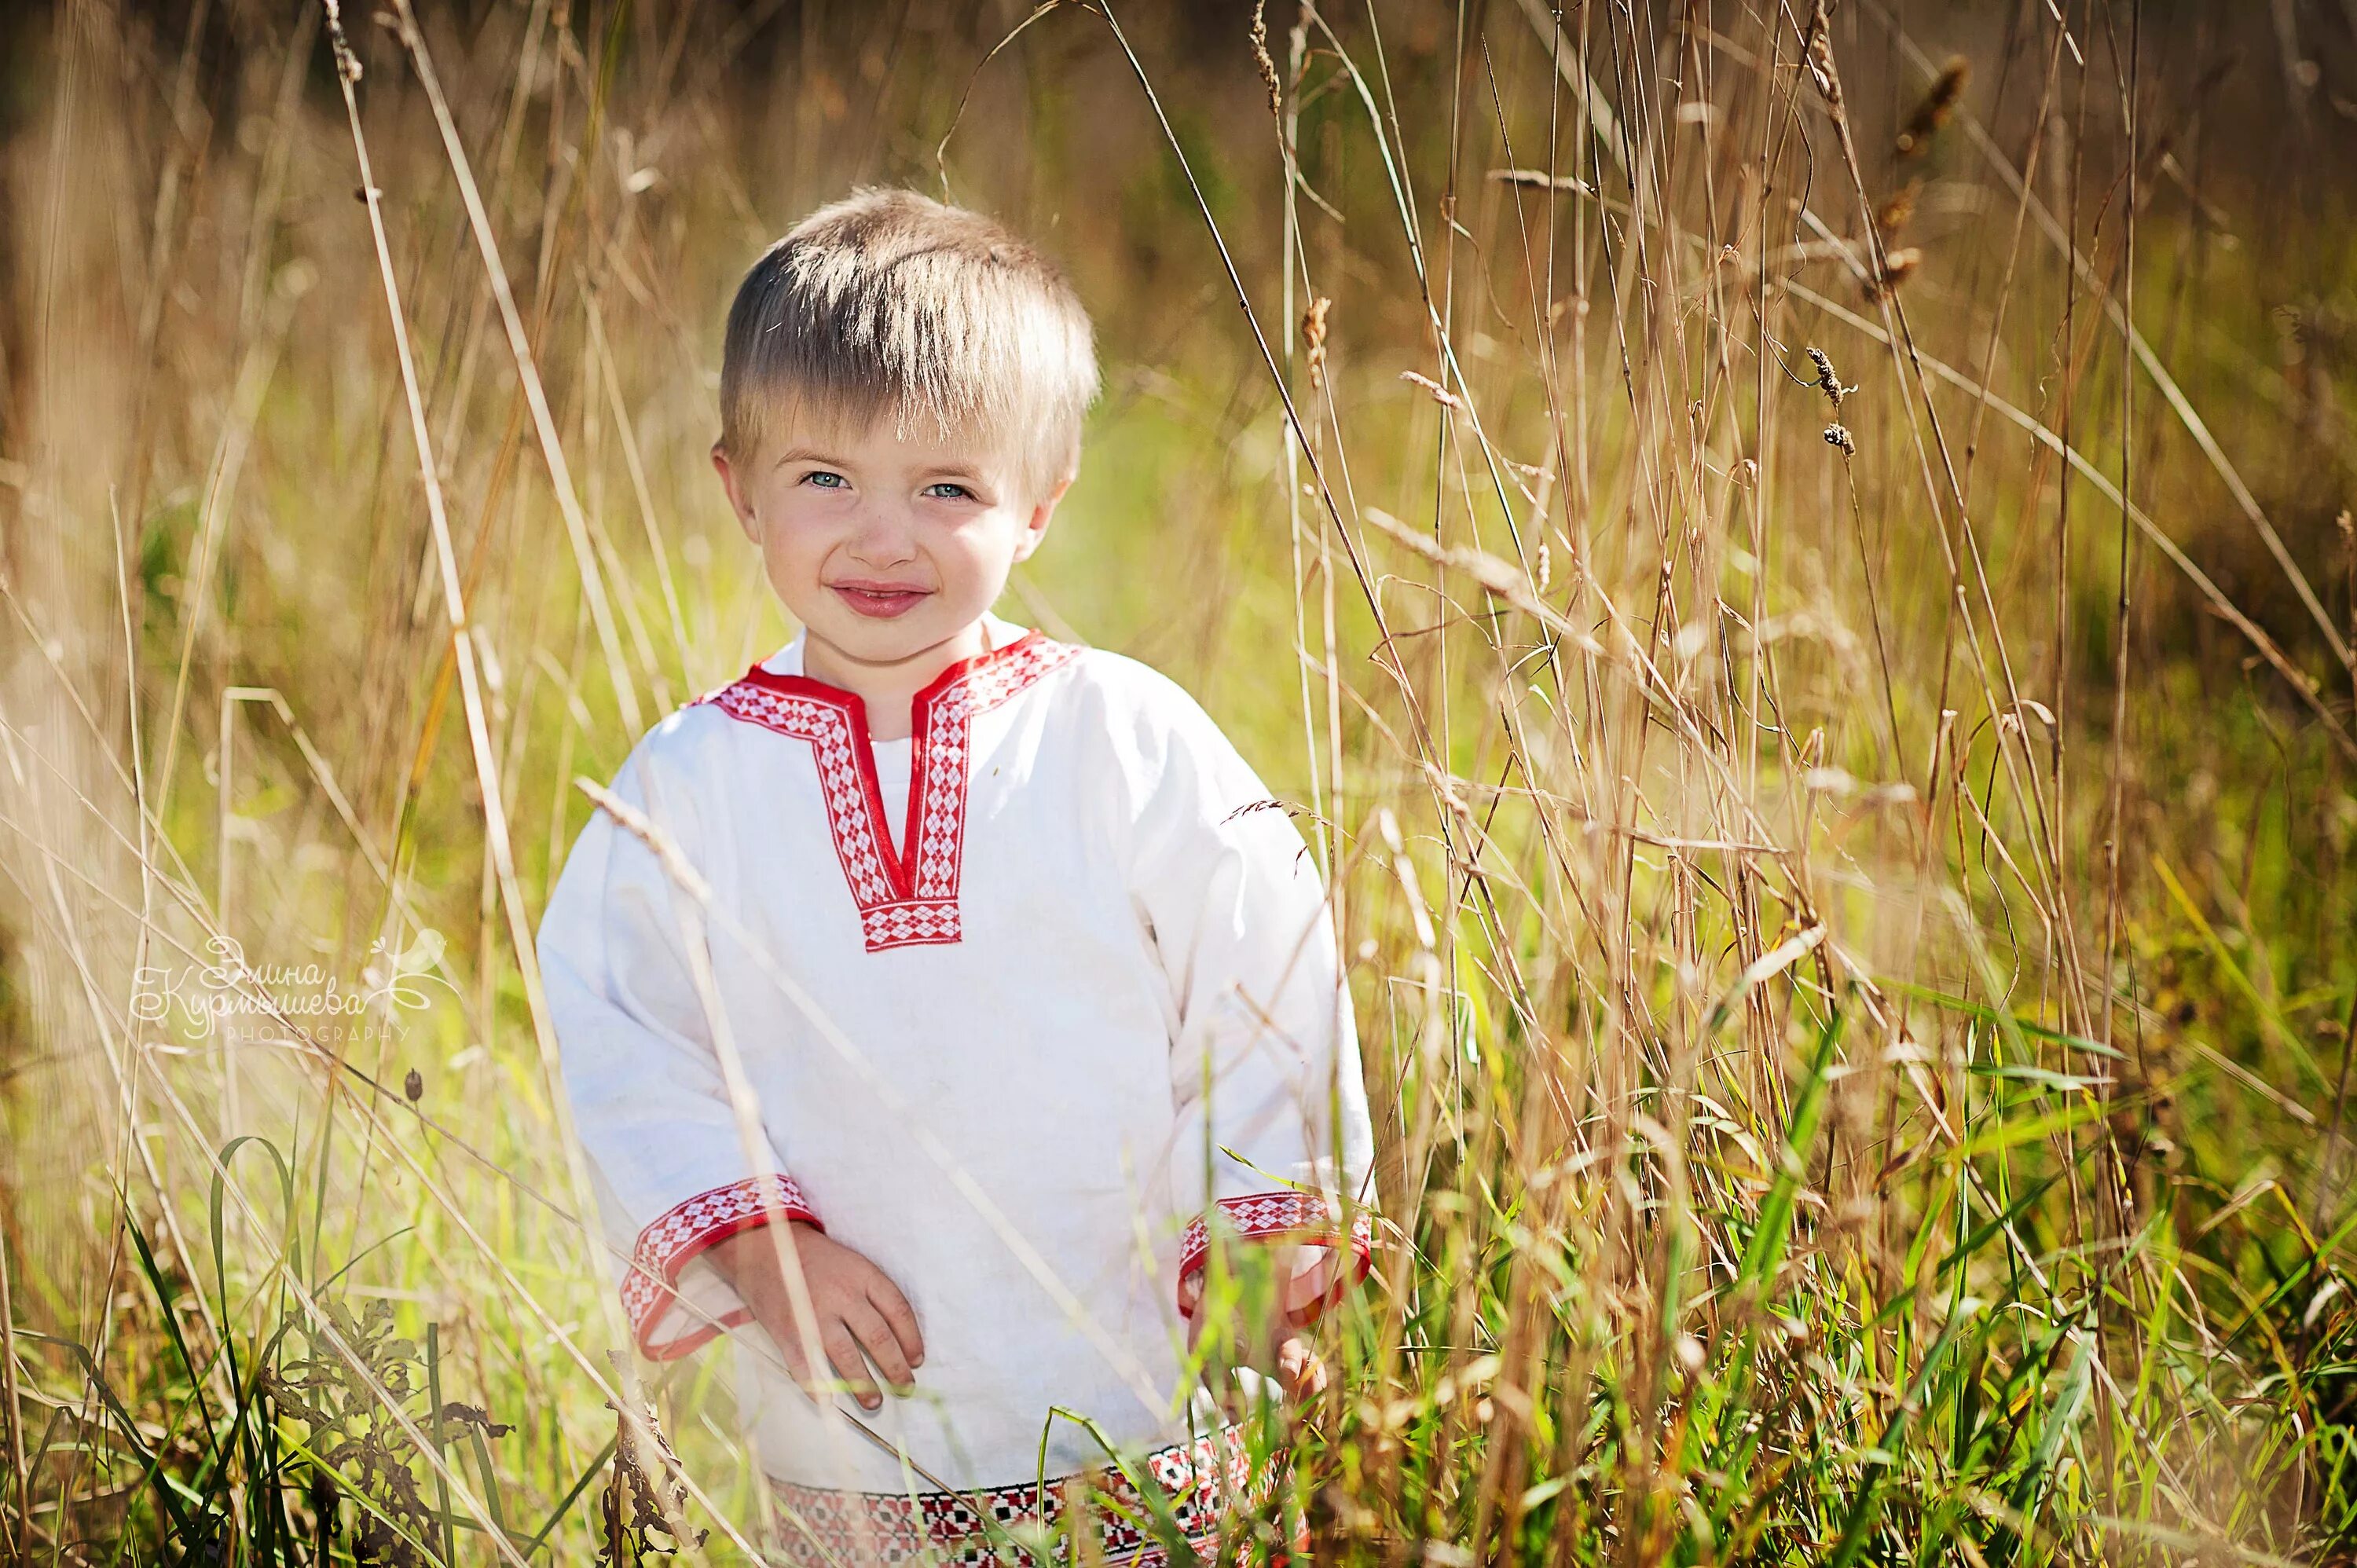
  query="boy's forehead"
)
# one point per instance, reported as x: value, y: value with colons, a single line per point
x: 805, y: 424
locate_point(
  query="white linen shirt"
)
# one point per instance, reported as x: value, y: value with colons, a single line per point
x: 1091, y: 1012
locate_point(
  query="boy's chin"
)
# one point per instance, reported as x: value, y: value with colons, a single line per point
x: 887, y: 642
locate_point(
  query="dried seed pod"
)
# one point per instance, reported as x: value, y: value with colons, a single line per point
x: 1313, y: 335
x: 1828, y: 383
x: 1839, y: 436
x: 1440, y: 394
x: 1817, y: 50
x: 1900, y: 210
x: 1897, y: 267
x: 1268, y: 76
x: 643, y: 1496
x: 454, y: 1413
x: 1947, y: 90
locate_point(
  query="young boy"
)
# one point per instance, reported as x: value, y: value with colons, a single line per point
x: 1009, y: 993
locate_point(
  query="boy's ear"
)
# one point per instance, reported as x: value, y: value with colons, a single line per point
x: 735, y: 487
x: 1043, y: 512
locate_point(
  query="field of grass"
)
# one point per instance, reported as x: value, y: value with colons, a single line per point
x: 1794, y: 558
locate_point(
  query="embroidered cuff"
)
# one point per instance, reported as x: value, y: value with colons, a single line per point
x: 678, y: 1236
x: 1298, y: 1217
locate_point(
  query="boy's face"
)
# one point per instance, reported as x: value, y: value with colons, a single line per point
x: 884, y: 547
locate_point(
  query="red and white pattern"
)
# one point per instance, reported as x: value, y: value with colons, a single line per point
x: 1285, y: 1216
x: 907, y: 895
x: 1203, y: 1478
x: 674, y: 1238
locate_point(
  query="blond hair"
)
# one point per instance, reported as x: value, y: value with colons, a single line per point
x: 889, y: 301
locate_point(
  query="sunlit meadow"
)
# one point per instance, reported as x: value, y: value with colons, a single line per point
x: 1792, y: 561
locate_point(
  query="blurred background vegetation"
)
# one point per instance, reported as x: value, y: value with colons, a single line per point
x: 1795, y: 560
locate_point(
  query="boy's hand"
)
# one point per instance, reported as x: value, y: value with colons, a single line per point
x: 854, y: 1308
x: 1275, y: 1346
x: 1300, y: 1369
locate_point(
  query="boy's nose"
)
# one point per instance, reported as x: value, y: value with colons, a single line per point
x: 881, y: 537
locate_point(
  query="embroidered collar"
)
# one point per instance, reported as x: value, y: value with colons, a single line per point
x: 907, y: 894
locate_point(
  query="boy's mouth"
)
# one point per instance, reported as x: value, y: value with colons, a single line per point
x: 881, y: 601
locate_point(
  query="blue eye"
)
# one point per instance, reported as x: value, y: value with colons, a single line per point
x: 954, y: 489
x: 826, y: 480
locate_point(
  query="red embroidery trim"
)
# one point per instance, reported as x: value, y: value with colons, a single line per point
x: 1285, y: 1216
x: 908, y: 894
x: 674, y: 1238
x: 1203, y: 1475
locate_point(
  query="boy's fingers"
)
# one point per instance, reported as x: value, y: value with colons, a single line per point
x: 806, y: 1376
x: 1304, y: 1370
x: 900, y: 1316
x: 875, y: 1335
x: 843, y: 1351
x: 789, y: 1346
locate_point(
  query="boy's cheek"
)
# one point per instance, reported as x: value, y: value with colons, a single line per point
x: 787, y: 556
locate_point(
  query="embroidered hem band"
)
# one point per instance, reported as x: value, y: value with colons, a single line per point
x: 1203, y: 1477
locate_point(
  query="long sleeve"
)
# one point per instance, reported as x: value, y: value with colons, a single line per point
x: 672, y: 1174
x: 1265, y: 1065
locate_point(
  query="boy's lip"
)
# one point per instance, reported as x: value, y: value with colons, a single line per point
x: 878, y: 600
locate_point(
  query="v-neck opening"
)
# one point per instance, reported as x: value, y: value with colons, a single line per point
x: 897, y: 853
x: 904, y: 768
x: 906, y: 883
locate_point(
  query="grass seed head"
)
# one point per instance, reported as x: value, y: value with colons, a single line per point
x: 1268, y: 76
x: 1818, y: 50
x: 1440, y: 394
x: 1939, y: 103
x: 1897, y: 266
x: 1900, y: 210
x: 1828, y: 383
x: 1313, y: 336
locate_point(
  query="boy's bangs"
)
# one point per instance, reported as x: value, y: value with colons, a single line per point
x: 1026, y: 438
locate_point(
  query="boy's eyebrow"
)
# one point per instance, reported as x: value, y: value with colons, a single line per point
x: 957, y: 467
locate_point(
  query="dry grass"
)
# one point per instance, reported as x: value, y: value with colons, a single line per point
x: 1819, y: 661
